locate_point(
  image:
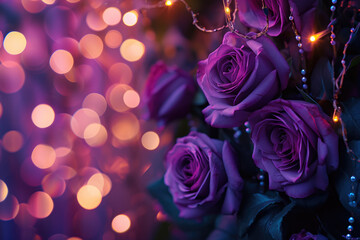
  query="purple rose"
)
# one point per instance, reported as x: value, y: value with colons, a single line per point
x: 296, y: 145
x: 252, y: 15
x: 303, y: 235
x: 168, y: 93
x: 202, y: 176
x: 240, y: 77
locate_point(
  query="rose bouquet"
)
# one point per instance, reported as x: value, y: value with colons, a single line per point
x: 271, y: 145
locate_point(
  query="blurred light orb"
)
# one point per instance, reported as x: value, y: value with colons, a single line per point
x: 132, y: 50
x: 130, y: 18
x: 43, y: 116
x: 89, y: 197
x: 74, y: 238
x: 9, y: 208
x: 96, y: 102
x: 12, y: 77
x: 131, y: 98
x: 150, y: 140
x: 33, y: 6
x: 126, y: 127
x: 121, y: 223
x: 111, y: 16
x: 95, y: 21
x: 95, y: 135
x: 53, y: 185
x: 13, y: 141
x: 113, y: 39
x: 73, y: 1
x: 168, y: 3
x: 91, y: 46
x: 1, y: 109
x: 61, y: 61
x: 102, y: 182
x: 14, y: 43
x: 43, y: 156
x: 40, y: 205
x: 81, y: 119
x: 49, y: 2
x: 115, y: 97
x: 120, y: 72
x: 3, y: 190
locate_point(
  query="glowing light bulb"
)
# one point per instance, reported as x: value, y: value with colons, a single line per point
x: 335, y: 118
x: 227, y: 10
x: 168, y: 3
x: 312, y: 38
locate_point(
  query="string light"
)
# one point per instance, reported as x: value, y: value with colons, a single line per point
x: 168, y: 3
x: 312, y: 38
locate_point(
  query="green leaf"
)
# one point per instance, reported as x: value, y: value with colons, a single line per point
x: 307, y: 98
x: 351, y: 118
x: 321, y: 80
x: 276, y: 225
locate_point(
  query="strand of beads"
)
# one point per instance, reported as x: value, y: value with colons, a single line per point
x: 301, y: 51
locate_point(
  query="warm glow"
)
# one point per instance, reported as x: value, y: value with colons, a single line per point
x: 161, y: 217
x: 227, y: 10
x: 40, y: 205
x: 115, y: 97
x: 61, y: 61
x: 12, y: 141
x: 89, y: 197
x: 168, y: 3
x: 132, y: 50
x: 82, y: 119
x: 3, y: 190
x: 9, y: 208
x: 102, y: 182
x: 95, y: 135
x: 130, y: 18
x: 312, y: 38
x: 43, y: 156
x: 96, y: 102
x: 121, y: 73
x: 126, y: 127
x: 131, y: 98
x: 1, y: 110
x: 53, y: 185
x: 335, y: 118
x: 33, y: 6
x: 121, y: 223
x: 113, y: 39
x: 43, y: 116
x: 112, y: 16
x: 91, y: 46
x: 14, y: 43
x: 150, y: 140
x: 12, y: 77
x: 49, y: 2
x: 95, y: 21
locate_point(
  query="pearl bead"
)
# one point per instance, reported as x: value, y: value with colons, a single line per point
x: 352, y: 30
x: 352, y: 204
x: 305, y: 86
x: 248, y: 130
x: 348, y: 236
x: 351, y: 220
x: 353, y: 178
x: 298, y: 38
x: 247, y: 124
x: 351, y: 196
x: 332, y: 8
x: 299, y: 45
x: 334, y: 1
x: 304, y: 79
x: 343, y: 61
x: 332, y: 42
x: 303, y: 72
x: 350, y: 228
x: 291, y: 18
x: 332, y: 35
x: 301, y: 51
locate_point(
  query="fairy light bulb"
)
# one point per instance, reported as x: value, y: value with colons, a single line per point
x: 312, y: 38
x: 335, y: 117
x: 227, y: 10
x: 168, y: 3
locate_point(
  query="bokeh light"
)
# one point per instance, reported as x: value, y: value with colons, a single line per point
x: 9, y: 208
x: 3, y: 190
x: 49, y: 2
x: 89, y: 197
x: 125, y: 127
x: 115, y: 97
x: 14, y: 42
x: 40, y: 205
x: 131, y: 98
x: 130, y: 18
x: 113, y: 39
x: 150, y: 140
x: 121, y: 223
x: 61, y: 61
x: 12, y: 141
x: 96, y: 102
x: 43, y: 156
x: 95, y: 135
x: 91, y: 46
x: 95, y: 21
x: 1, y: 109
x: 132, y: 50
x: 112, y: 16
x: 102, y: 182
x: 121, y: 73
x: 12, y: 77
x: 53, y: 185
x: 82, y: 119
x: 43, y: 116
x: 33, y: 6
